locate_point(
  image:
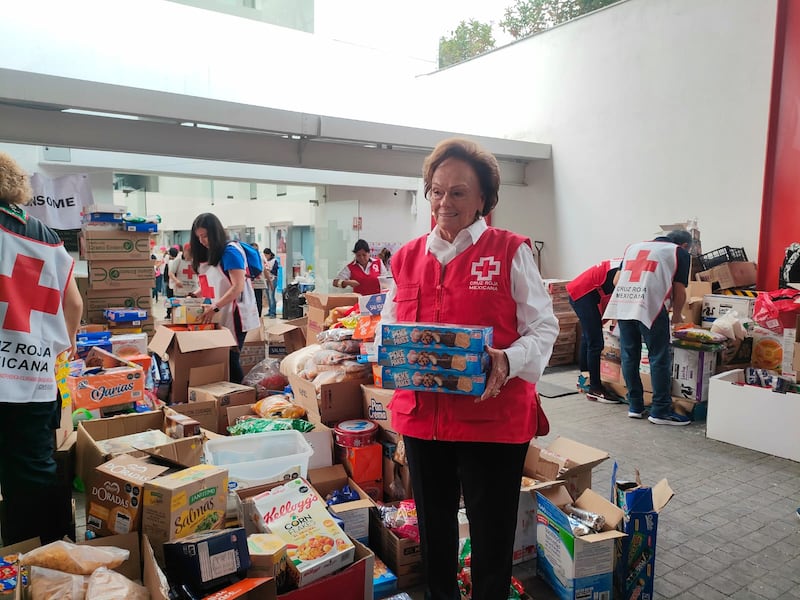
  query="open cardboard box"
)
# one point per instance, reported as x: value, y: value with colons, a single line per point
x: 186, y: 451
x: 223, y: 394
x: 285, y: 338
x: 355, y: 514
x: 563, y: 459
x: 576, y: 566
x: 319, y: 305
x: 194, y: 357
x: 335, y: 401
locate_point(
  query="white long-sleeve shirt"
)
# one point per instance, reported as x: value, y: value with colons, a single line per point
x: 536, y: 323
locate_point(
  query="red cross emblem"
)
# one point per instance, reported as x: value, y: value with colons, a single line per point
x: 485, y: 268
x: 24, y: 295
x: 640, y: 265
x: 189, y: 272
x: 206, y: 291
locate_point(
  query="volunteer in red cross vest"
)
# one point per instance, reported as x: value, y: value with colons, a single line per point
x: 181, y: 273
x: 589, y: 294
x: 40, y: 312
x: 651, y: 275
x: 362, y: 273
x: 465, y: 272
x: 221, y: 267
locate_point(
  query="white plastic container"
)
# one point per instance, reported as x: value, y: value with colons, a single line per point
x: 273, y: 451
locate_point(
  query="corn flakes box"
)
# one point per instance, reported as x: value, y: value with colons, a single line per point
x: 315, y: 545
x: 439, y: 336
x: 397, y: 378
x: 460, y: 363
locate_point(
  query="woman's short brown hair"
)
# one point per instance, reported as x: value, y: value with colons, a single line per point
x: 15, y: 187
x: 482, y: 162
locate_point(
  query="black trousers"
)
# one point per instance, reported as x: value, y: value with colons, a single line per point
x: 236, y: 373
x: 591, y: 347
x: 259, y: 292
x: 488, y: 475
x: 34, y: 504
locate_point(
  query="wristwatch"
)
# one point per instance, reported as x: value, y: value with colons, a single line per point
x: 216, y: 309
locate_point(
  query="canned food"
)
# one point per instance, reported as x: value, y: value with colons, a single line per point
x: 355, y: 433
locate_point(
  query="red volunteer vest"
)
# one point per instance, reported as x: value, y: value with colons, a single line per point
x: 368, y: 282
x: 473, y: 289
x: 591, y: 279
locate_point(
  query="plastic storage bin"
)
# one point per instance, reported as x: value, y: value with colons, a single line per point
x: 273, y: 451
x: 722, y: 255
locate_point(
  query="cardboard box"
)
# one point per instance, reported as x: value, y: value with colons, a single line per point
x: 563, y: 459
x: 285, y: 338
x: 96, y: 301
x: 208, y: 559
x: 254, y: 349
x: 691, y: 370
x: 114, y: 245
x: 362, y: 464
x: 320, y: 438
x: 371, y: 304
x: 437, y: 336
x: 224, y: 394
x: 319, y: 305
x: 195, y: 357
x: 396, y: 478
x: 730, y: 275
x: 268, y: 558
x: 189, y: 311
x: 576, y: 567
x: 693, y: 307
x: 115, y: 494
x: 120, y: 274
x: 89, y: 454
x: 333, y: 403
x: 753, y: 417
x: 355, y: 514
x: 716, y: 305
x: 112, y: 387
x: 402, y: 556
x: 129, y: 344
x: 376, y: 405
x: 634, y: 572
x: 206, y: 413
x: 177, y: 505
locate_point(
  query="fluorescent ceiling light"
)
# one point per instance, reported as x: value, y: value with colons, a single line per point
x: 94, y: 113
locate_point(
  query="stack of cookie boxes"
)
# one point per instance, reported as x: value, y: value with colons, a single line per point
x: 433, y: 357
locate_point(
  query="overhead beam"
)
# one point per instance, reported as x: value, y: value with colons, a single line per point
x: 56, y: 128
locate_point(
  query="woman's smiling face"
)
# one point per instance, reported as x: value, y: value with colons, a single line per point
x: 455, y: 197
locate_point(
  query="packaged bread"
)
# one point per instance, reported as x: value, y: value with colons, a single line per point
x: 72, y: 558
x: 110, y: 585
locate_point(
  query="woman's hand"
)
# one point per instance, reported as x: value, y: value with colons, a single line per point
x: 497, y: 376
x: 209, y: 312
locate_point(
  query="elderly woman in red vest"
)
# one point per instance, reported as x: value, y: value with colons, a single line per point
x: 362, y: 273
x: 466, y: 272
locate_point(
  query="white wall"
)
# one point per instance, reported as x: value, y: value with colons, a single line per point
x: 656, y: 110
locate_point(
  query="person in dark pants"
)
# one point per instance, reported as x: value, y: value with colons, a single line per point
x: 467, y: 272
x: 588, y: 295
x: 42, y: 309
x: 651, y: 273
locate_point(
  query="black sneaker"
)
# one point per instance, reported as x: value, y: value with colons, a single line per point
x: 670, y: 419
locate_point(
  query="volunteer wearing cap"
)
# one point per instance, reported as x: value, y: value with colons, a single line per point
x: 40, y: 312
x: 362, y: 273
x: 465, y: 272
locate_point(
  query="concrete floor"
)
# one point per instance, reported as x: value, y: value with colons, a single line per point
x: 730, y: 531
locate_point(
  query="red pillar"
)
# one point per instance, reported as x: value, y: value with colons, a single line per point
x: 780, y: 209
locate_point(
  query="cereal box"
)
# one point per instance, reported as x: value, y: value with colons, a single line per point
x: 465, y: 363
x: 430, y: 381
x: 316, y: 545
x: 437, y: 336
x: 176, y: 505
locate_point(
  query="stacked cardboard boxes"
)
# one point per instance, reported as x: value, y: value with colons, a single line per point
x: 564, y: 348
x: 120, y: 269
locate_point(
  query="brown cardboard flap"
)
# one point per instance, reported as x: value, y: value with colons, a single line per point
x: 205, y: 412
x: 255, y: 335
x: 328, y: 301
x: 192, y: 341
x: 153, y: 577
x: 594, y: 502
x: 580, y: 456
x: 208, y: 374
x: 662, y: 494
